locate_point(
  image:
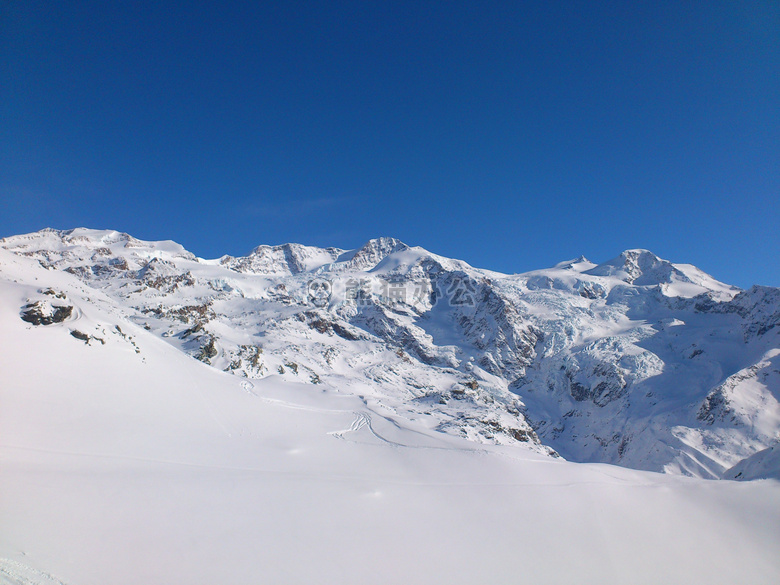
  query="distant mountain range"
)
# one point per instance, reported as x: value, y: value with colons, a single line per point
x: 638, y: 361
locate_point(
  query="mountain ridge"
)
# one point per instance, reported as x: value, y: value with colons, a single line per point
x: 378, y: 248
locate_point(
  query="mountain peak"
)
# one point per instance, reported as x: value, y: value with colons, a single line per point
x: 100, y: 240
x: 384, y: 244
x: 640, y: 267
x: 283, y: 259
x: 372, y: 253
x: 578, y: 264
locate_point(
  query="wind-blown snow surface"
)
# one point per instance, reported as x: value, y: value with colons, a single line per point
x: 123, y: 460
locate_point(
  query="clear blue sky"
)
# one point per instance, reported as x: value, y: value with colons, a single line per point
x: 512, y: 135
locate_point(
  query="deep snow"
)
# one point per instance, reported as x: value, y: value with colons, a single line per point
x: 123, y: 460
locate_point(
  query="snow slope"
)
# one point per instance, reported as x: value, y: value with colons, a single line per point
x: 125, y: 461
x: 762, y: 465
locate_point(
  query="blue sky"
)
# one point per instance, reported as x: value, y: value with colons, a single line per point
x: 512, y: 135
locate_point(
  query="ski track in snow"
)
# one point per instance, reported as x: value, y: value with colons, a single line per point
x: 362, y: 419
x: 249, y: 387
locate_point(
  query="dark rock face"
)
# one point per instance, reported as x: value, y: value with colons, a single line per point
x: 80, y: 335
x: 208, y: 350
x: 715, y: 406
x: 580, y: 392
x: 41, y: 313
x: 53, y: 293
x: 324, y: 323
x: 163, y: 275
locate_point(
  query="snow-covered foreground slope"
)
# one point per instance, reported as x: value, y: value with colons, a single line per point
x: 123, y: 460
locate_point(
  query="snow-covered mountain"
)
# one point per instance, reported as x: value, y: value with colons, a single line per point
x: 382, y: 414
x: 636, y: 361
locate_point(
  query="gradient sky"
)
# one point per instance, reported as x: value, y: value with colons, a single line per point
x: 512, y: 135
